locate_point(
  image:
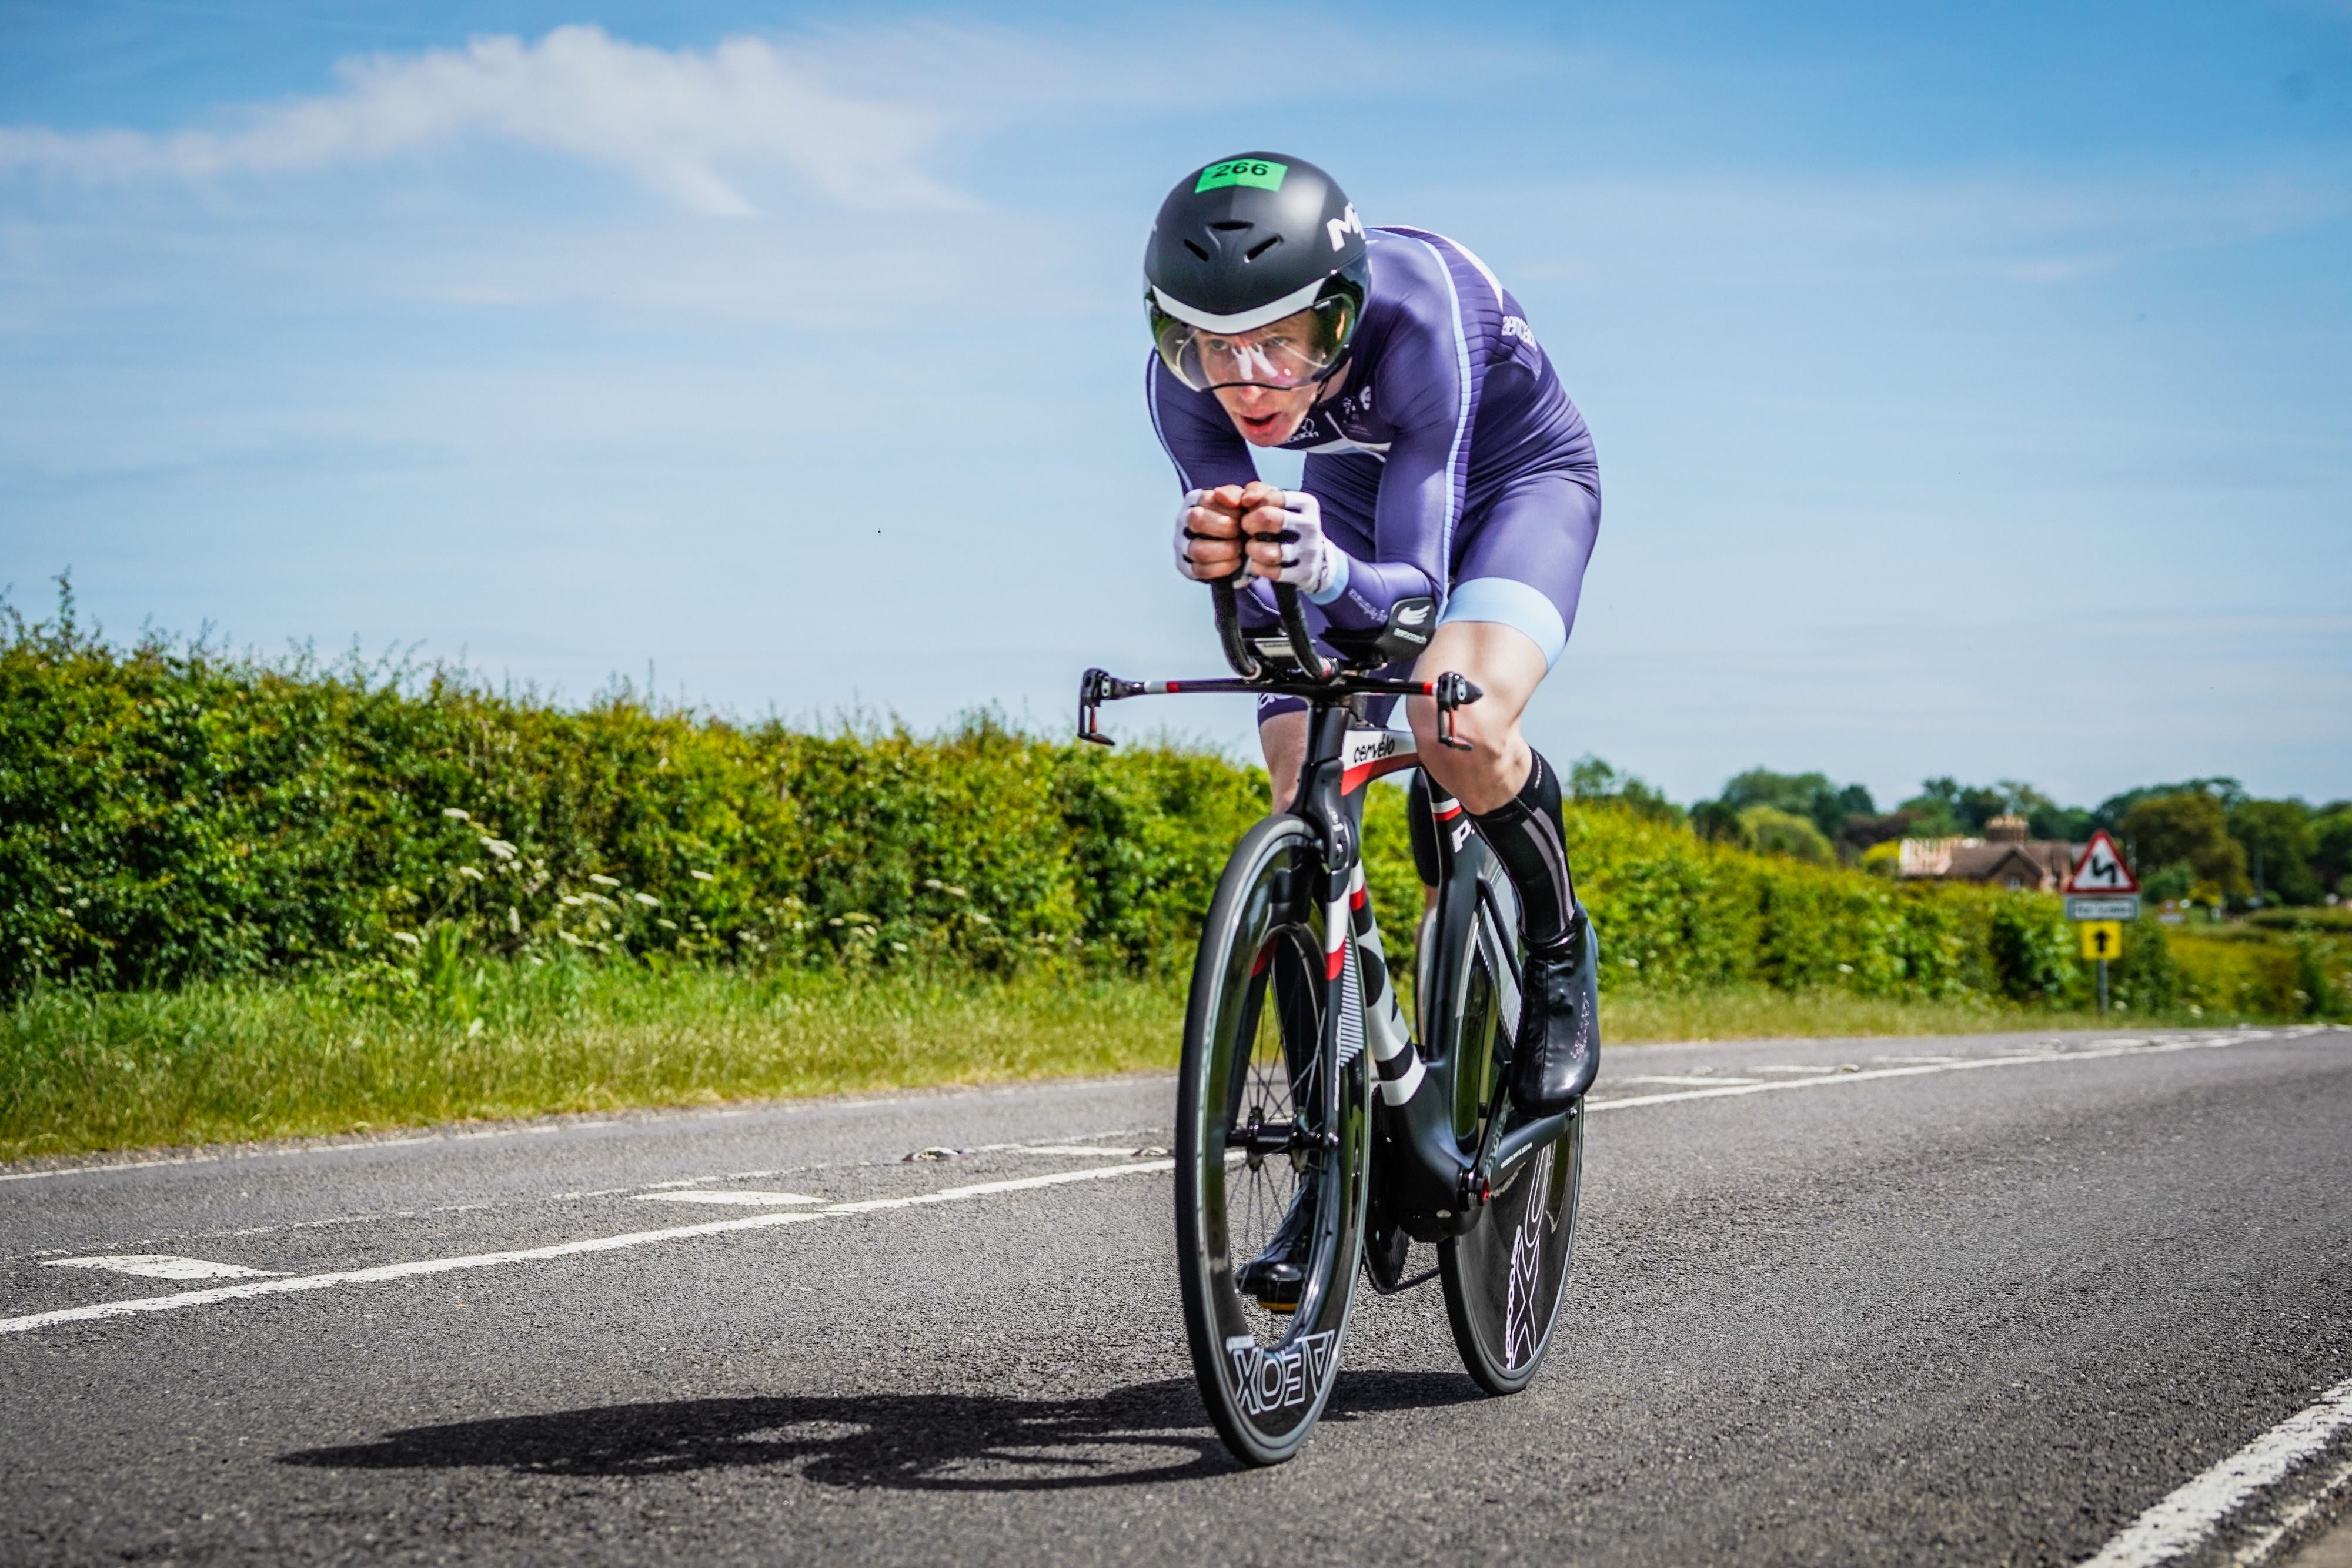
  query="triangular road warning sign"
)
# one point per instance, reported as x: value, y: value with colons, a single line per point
x: 2102, y: 869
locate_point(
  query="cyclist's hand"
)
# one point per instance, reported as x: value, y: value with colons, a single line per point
x: 1286, y: 541
x: 1208, y: 534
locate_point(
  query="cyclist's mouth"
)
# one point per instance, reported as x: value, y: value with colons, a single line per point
x: 1260, y: 425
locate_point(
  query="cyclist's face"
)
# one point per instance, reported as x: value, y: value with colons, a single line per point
x: 1277, y: 362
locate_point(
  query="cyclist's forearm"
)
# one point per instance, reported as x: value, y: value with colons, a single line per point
x: 1367, y: 589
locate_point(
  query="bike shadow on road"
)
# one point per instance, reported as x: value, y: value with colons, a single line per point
x: 1147, y: 1433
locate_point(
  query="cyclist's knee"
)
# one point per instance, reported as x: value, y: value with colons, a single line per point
x: 1282, y: 737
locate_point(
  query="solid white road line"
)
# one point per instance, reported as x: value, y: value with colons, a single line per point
x: 2188, y: 1518
x: 1718, y: 1079
x: 158, y: 1266
x: 390, y: 1271
x: 734, y: 1197
x: 2099, y: 1052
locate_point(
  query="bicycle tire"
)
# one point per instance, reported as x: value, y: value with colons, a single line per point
x: 1505, y: 1278
x: 1264, y: 1378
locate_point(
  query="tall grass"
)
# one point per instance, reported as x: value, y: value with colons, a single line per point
x: 231, y: 1060
x: 241, y: 1059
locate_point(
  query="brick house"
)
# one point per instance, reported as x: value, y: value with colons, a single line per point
x: 2004, y: 857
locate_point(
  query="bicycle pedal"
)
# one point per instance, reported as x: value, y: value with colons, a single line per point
x: 1275, y: 1287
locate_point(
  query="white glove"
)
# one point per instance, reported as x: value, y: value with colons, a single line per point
x: 1185, y: 564
x: 1311, y: 562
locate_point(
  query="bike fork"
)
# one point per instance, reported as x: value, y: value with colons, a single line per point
x: 1395, y: 1057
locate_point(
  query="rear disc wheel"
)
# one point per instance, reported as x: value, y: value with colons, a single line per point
x: 1505, y: 1277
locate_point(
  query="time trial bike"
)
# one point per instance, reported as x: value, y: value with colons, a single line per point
x: 1319, y: 1136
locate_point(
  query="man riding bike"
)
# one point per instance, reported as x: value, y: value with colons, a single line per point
x: 1444, y: 463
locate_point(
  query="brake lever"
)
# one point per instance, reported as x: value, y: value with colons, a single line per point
x: 1452, y: 690
x: 1097, y: 687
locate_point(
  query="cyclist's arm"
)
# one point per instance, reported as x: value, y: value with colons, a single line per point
x: 1207, y: 451
x: 1431, y: 374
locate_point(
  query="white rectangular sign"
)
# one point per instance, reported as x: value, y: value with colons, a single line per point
x: 2079, y: 907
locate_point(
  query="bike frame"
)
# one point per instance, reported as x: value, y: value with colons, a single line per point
x: 1428, y: 1177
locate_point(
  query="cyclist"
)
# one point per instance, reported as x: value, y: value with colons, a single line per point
x: 1444, y: 463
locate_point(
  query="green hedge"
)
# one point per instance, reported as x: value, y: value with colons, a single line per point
x: 168, y: 812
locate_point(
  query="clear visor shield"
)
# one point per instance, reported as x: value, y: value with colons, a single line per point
x: 1299, y: 349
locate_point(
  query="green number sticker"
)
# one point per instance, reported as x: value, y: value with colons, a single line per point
x: 1259, y: 171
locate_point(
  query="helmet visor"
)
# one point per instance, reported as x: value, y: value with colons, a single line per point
x: 1299, y: 349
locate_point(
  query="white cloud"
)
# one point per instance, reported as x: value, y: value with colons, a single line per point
x: 854, y: 113
x: 681, y: 122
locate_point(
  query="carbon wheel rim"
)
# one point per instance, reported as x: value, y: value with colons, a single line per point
x: 1266, y: 1375
x: 1506, y: 1277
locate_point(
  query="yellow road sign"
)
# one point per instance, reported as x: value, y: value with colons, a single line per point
x: 2102, y: 938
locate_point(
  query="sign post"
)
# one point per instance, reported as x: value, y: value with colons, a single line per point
x: 2102, y: 893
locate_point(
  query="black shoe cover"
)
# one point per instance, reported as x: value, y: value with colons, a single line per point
x: 1277, y: 1276
x: 1558, y: 1051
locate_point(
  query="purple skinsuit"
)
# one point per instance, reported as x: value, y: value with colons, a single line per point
x: 1450, y: 462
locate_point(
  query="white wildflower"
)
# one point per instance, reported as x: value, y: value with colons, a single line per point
x: 408, y: 936
x: 514, y: 919
x: 456, y: 815
x: 648, y: 900
x: 500, y: 848
x: 701, y: 876
x: 666, y: 925
x: 603, y: 881
x: 571, y: 901
x: 473, y: 870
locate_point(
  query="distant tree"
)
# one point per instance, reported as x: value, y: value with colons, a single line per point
x: 1771, y: 831
x: 2109, y: 813
x: 2278, y: 839
x: 1716, y: 820
x: 2189, y: 828
x: 1807, y: 795
x: 1935, y: 811
x: 1591, y: 779
x: 2331, y: 853
x: 1863, y: 829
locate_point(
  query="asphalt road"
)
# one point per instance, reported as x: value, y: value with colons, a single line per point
x: 1971, y: 1301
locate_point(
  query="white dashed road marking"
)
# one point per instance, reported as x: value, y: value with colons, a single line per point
x: 390, y: 1271
x: 158, y: 1266
x: 2185, y: 1520
x: 291, y: 1284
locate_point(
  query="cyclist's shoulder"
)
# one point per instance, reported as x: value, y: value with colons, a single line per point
x: 1414, y: 264
x: 1423, y: 283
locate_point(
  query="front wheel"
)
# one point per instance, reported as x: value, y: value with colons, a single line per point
x: 1269, y: 1121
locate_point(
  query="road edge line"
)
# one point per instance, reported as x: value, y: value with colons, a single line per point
x: 2188, y: 1516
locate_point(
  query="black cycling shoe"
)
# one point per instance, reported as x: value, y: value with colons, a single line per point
x: 1277, y: 1276
x: 1558, y: 1051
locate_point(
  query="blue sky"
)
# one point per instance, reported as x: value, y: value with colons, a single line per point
x: 1972, y: 385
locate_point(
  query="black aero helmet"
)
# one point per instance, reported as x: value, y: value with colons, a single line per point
x: 1242, y: 243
